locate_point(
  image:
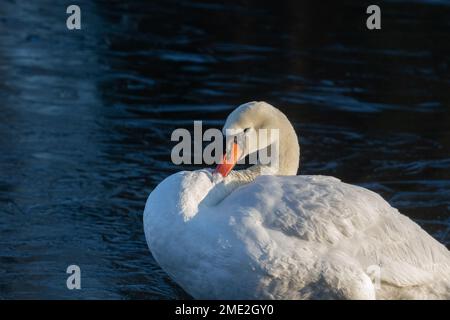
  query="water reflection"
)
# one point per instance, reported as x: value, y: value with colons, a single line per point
x: 87, y: 116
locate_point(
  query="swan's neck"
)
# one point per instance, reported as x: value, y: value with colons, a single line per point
x: 289, y: 149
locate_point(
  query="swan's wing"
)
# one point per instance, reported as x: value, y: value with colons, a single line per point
x: 405, y: 253
x: 348, y: 219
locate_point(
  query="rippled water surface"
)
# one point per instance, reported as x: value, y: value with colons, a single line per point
x: 86, y: 118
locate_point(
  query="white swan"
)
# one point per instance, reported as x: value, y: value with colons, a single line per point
x: 253, y: 236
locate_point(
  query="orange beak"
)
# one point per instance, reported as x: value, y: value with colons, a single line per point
x: 228, y: 162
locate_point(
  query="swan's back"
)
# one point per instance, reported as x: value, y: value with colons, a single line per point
x: 355, y: 223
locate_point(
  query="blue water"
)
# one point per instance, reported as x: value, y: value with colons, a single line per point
x: 86, y: 118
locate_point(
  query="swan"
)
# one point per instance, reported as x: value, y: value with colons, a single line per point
x: 262, y: 234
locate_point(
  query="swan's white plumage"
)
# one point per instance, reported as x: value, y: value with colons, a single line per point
x: 291, y: 237
x: 282, y: 236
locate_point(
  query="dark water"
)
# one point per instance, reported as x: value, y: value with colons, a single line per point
x: 86, y: 117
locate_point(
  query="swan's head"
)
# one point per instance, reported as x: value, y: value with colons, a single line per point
x: 256, y: 126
